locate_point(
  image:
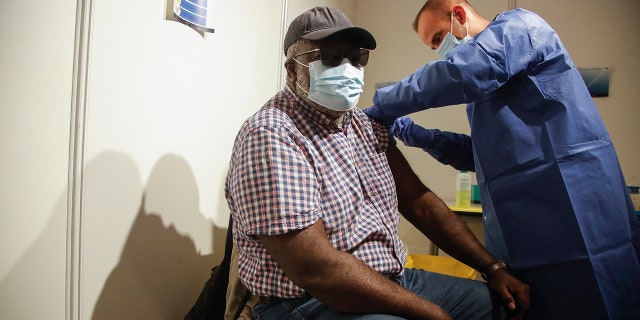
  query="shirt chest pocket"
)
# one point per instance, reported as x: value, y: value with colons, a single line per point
x: 377, y: 181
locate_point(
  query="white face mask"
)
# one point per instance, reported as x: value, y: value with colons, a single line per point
x: 336, y: 88
x: 450, y: 41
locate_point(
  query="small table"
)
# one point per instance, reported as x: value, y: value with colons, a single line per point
x: 473, y: 210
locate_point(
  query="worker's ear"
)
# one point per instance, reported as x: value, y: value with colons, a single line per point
x: 459, y: 13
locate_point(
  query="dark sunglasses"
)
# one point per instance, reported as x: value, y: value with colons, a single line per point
x: 332, y: 56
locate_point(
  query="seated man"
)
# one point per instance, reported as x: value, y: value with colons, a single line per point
x: 315, y: 207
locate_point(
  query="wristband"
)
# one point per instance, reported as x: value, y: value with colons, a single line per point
x: 492, y: 268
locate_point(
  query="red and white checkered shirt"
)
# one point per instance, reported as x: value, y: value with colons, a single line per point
x: 291, y: 166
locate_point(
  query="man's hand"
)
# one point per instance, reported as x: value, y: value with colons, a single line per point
x: 411, y: 134
x: 514, y: 293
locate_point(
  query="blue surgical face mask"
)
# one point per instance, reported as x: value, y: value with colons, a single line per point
x: 450, y: 41
x: 336, y: 88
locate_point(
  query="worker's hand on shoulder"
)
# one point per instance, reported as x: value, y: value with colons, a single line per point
x: 513, y: 293
x: 411, y: 134
x: 375, y: 112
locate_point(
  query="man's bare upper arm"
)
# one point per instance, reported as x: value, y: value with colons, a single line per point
x: 408, y: 185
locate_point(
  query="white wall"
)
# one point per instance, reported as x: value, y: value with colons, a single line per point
x: 36, y: 59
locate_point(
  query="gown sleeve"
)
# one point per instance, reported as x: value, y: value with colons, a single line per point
x: 472, y: 70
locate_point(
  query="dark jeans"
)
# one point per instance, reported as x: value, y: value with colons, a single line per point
x: 461, y: 298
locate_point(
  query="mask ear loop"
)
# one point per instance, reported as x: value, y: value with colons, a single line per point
x: 306, y: 65
x: 303, y: 90
x: 451, y: 31
x: 466, y: 25
x: 297, y: 84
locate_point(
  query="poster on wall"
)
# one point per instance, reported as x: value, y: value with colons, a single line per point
x: 197, y: 14
x: 597, y: 80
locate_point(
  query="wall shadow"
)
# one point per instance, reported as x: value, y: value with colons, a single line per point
x: 160, y: 272
x: 34, y: 288
x: 159, y: 276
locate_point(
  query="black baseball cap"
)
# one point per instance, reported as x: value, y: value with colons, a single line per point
x: 322, y: 22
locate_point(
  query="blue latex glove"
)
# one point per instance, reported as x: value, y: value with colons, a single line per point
x: 448, y: 148
x: 411, y: 134
x: 375, y: 112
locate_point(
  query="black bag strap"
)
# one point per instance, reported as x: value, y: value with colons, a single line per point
x: 212, y: 302
x: 228, y: 245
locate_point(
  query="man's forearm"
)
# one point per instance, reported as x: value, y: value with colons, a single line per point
x: 340, y: 280
x: 355, y: 287
x: 433, y: 218
x: 446, y: 230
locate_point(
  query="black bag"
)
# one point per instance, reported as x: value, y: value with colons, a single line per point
x: 212, y: 302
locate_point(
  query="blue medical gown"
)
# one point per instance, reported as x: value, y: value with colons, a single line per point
x: 554, y: 198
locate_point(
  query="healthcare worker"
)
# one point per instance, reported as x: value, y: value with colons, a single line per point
x: 554, y: 198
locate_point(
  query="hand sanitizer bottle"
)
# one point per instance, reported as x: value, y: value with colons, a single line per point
x: 463, y: 189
